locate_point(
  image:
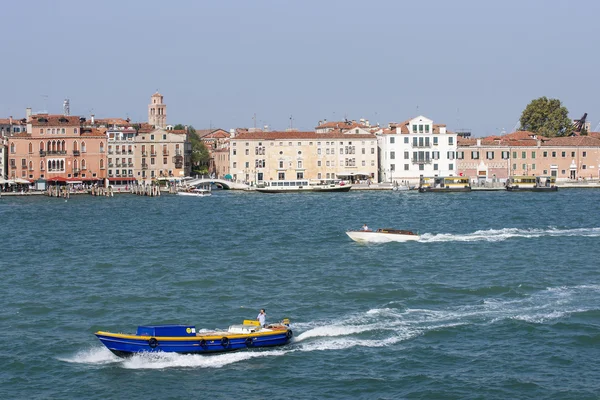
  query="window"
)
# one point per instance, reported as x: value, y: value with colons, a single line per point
x: 247, y: 164
x: 280, y: 164
x: 475, y: 155
x: 406, y: 140
x: 299, y: 165
x: 426, y: 128
x: 164, y: 160
x: 164, y: 137
x: 234, y: 152
x: 41, y: 131
x: 392, y: 140
x: 451, y: 167
x: 532, y: 166
x: 319, y: 151
x: 489, y: 155
x: 406, y: 155
x: 234, y: 164
x: 372, y: 150
x: 514, y: 154
x: 299, y: 175
x: 451, y: 141
x: 421, y: 167
x: 524, y: 166
x: 435, y: 167
x: 319, y: 163
x: 514, y: 167
x: 435, y: 141
x: 392, y: 167
x: 584, y: 154
x: 533, y: 154
x: 523, y: 154
x: 450, y: 155
x: 406, y: 167
x: 460, y: 155
x: 505, y: 155
x: 563, y: 154
x: 553, y: 154
x: 392, y: 155
x: 364, y: 163
x: 414, y: 128
x: 572, y: 154
x: 247, y: 152
x: 151, y: 137
x: 583, y: 166
x: 420, y: 128
x: 545, y: 154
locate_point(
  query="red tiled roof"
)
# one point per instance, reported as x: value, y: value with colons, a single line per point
x: 274, y: 135
x: 54, y: 120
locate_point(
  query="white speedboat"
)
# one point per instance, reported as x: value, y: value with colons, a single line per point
x: 194, y: 192
x: 383, y: 235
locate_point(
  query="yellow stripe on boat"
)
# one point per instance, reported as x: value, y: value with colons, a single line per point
x: 188, y: 338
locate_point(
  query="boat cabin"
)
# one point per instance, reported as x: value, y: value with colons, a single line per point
x: 249, y: 326
x: 166, y: 330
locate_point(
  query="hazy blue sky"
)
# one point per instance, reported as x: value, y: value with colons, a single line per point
x: 467, y: 63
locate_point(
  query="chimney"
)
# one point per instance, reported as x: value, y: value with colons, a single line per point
x: 92, y: 119
x: 10, y: 120
x: 232, y: 133
x: 478, y: 142
x: 28, y: 113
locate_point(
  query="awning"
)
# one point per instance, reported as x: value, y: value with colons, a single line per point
x: 125, y: 178
x: 75, y: 182
x: 228, y: 176
x: 57, y: 179
x: 21, y: 181
x: 3, y: 181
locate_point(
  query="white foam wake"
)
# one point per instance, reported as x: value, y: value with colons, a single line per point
x: 379, y: 327
x: 495, y: 235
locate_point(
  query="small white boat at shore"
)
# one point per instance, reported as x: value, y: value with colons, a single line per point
x: 383, y: 235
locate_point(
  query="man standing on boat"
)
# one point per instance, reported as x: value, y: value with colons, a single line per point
x: 261, y: 317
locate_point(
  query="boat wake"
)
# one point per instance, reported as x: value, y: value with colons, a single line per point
x: 379, y: 327
x: 497, y: 235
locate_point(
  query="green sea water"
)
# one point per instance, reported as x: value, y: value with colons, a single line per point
x: 500, y: 299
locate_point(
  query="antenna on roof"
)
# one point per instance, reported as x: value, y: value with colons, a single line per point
x: 66, y: 108
x: 517, y: 126
x: 597, y: 127
x: 291, y: 122
x: 254, y: 118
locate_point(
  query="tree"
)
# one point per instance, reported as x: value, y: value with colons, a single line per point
x: 200, y: 154
x: 547, y: 117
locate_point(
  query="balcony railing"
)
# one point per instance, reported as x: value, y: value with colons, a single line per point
x: 421, y: 161
x: 144, y: 166
x: 165, y: 152
x: 84, y: 167
x: 110, y: 165
x: 144, y: 154
x: 76, y: 153
x: 110, y: 152
x: 153, y: 154
x: 42, y: 153
x: 421, y: 146
x: 76, y: 170
x: 130, y: 164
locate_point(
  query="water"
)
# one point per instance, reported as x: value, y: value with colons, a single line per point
x: 500, y: 299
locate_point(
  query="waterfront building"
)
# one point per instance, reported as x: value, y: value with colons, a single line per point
x: 257, y: 156
x: 160, y: 153
x: 123, y: 165
x: 221, y: 162
x: 56, y: 146
x: 3, y: 148
x: 416, y: 147
x: 526, y: 153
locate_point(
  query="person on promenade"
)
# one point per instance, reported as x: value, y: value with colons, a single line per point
x: 261, y: 317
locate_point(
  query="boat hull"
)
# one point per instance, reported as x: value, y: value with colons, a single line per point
x: 444, y: 190
x: 128, y: 345
x: 301, y: 189
x: 380, y: 237
x: 532, y: 189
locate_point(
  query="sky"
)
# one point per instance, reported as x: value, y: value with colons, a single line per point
x: 469, y: 64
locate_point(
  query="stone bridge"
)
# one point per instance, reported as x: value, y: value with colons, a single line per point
x: 222, y: 182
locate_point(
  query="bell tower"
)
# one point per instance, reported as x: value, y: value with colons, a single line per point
x: 157, y: 111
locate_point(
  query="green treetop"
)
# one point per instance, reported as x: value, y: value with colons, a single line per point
x: 548, y: 117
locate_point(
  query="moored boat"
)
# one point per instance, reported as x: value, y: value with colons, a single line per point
x: 197, y: 192
x: 447, y: 184
x: 524, y: 183
x: 303, y: 186
x: 184, y: 339
x: 383, y: 235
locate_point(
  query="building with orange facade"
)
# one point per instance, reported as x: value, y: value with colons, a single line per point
x: 57, y: 147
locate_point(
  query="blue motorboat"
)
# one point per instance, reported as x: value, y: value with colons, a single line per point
x: 184, y: 339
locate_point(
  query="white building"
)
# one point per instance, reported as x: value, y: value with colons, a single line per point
x: 416, y: 147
